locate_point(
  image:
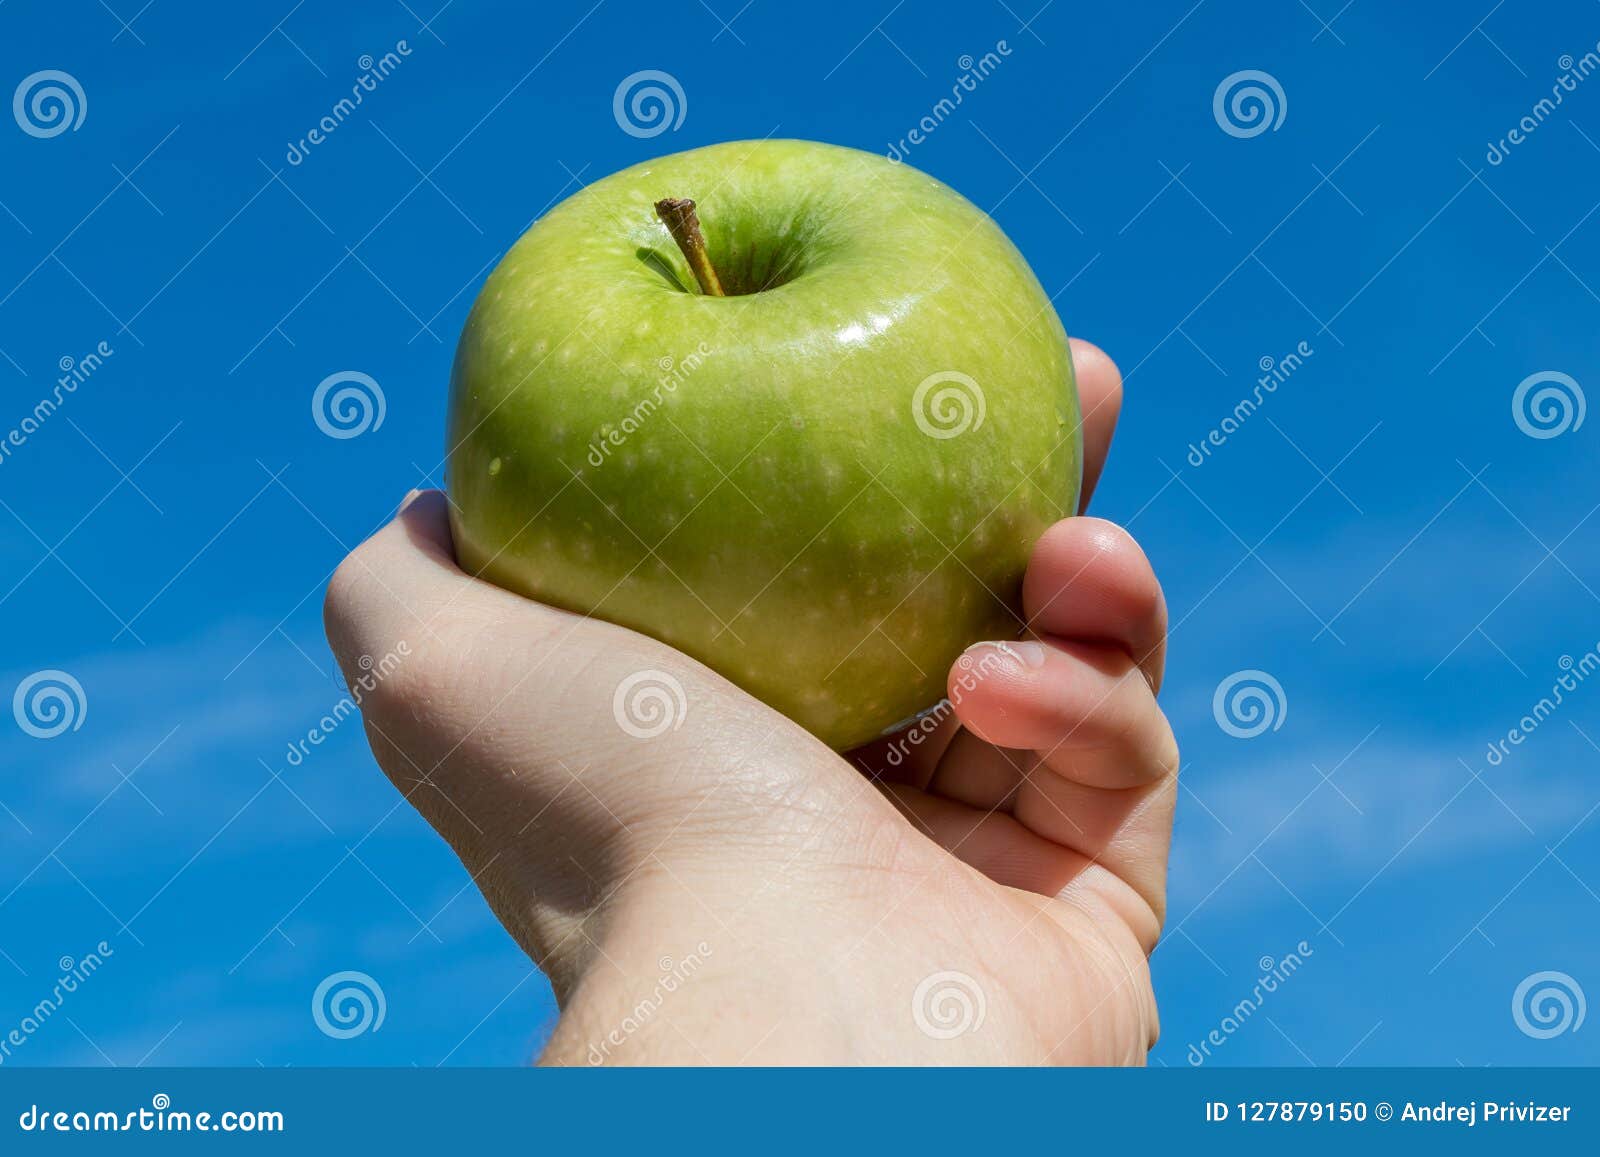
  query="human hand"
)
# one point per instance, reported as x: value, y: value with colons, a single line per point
x: 1030, y: 876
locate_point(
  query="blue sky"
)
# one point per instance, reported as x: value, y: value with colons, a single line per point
x: 1380, y: 536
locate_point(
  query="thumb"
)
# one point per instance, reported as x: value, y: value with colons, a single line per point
x: 505, y: 715
x: 481, y: 687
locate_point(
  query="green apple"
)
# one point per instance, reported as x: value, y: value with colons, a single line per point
x: 824, y: 484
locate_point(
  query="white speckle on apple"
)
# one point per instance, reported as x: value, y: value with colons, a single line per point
x: 851, y: 334
x: 494, y: 467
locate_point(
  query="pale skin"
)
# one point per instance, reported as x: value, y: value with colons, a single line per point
x: 1023, y: 844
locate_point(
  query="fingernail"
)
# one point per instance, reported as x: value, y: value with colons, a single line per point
x: 411, y: 496
x: 1025, y: 654
x: 1031, y: 653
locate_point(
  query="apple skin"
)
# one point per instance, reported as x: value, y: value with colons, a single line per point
x: 768, y: 481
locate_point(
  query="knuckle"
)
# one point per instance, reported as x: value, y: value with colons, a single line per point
x: 394, y: 679
x: 379, y: 657
x: 339, y: 605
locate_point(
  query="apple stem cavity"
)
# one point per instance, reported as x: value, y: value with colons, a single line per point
x: 678, y: 215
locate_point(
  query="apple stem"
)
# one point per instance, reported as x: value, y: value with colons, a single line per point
x: 678, y: 215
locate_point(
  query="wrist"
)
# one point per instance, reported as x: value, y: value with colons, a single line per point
x: 712, y: 968
x: 812, y: 958
x: 656, y: 872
